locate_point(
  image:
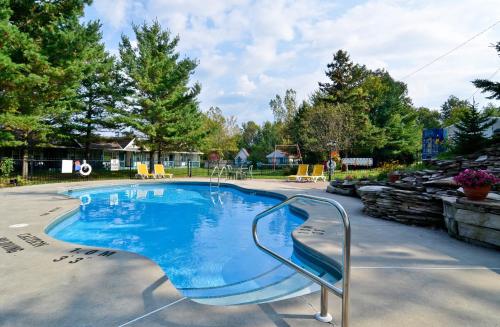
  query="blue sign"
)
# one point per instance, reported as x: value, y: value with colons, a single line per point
x: 433, y: 140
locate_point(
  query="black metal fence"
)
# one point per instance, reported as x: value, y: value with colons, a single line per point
x: 51, y: 170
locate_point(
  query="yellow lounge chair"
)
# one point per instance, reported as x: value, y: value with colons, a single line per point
x: 160, y: 172
x: 142, y: 171
x: 317, y: 173
x: 301, y: 172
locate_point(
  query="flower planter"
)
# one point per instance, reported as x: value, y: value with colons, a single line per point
x: 476, y: 183
x: 394, y: 177
x: 477, y: 193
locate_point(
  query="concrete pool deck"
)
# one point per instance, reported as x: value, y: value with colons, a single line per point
x: 401, y: 275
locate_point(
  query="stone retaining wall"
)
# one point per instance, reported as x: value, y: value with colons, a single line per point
x: 488, y: 159
x: 473, y: 221
x: 342, y: 187
x: 405, y: 206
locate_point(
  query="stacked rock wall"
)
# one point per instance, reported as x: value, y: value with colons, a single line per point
x: 488, y: 159
x: 405, y: 206
x: 473, y: 221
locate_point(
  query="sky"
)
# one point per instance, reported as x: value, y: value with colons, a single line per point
x: 250, y: 50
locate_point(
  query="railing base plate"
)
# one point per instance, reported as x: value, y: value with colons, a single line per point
x: 321, y: 318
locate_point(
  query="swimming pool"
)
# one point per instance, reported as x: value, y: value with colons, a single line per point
x: 201, y: 238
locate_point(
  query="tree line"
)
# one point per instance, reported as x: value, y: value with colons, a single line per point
x: 58, y: 82
x: 367, y: 113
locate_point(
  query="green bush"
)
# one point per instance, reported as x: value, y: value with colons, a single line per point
x: 6, y: 167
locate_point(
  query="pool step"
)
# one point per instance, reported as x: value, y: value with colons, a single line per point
x: 277, y: 284
x: 272, y: 276
x: 283, y: 289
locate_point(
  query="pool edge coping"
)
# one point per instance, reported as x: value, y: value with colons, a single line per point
x: 305, y: 250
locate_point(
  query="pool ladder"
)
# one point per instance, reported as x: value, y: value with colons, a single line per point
x: 219, y: 175
x: 343, y: 293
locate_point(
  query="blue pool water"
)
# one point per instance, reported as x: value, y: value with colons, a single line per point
x: 201, y: 239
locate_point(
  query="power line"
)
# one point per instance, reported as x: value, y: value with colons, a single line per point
x: 452, y: 50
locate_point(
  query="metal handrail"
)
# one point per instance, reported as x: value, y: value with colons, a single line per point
x: 212, y: 175
x: 224, y: 168
x: 221, y: 170
x: 344, y: 292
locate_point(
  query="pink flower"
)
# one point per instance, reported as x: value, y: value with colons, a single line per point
x: 475, y: 178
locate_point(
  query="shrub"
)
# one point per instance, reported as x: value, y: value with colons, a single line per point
x: 389, y: 167
x: 6, y: 167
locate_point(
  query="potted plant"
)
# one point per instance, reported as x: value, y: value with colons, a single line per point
x: 476, y: 183
x: 394, y: 176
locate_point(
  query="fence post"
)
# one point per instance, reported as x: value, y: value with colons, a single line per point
x: 30, y: 172
x: 130, y: 168
x: 189, y: 168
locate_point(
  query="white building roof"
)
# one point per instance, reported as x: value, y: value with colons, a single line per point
x: 277, y: 154
x: 243, y: 154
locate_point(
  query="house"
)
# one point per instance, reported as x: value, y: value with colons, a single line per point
x: 127, y: 150
x: 180, y: 158
x: 279, y: 157
x: 241, y: 157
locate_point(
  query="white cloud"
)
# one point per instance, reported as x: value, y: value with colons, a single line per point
x: 245, y: 85
x: 114, y: 12
x: 253, y: 49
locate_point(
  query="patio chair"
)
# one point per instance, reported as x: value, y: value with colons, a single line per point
x: 317, y: 173
x: 301, y: 172
x: 142, y: 171
x: 250, y: 171
x: 160, y: 172
x: 231, y: 173
x: 242, y: 173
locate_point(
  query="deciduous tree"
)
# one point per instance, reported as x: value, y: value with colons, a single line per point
x: 451, y: 109
x: 249, y: 134
x: 325, y: 123
x: 428, y: 118
x: 222, y: 133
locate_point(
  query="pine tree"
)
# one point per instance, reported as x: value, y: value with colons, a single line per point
x: 489, y: 86
x: 42, y: 53
x: 165, y: 109
x: 102, y: 90
x: 345, y: 79
x: 469, y: 135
